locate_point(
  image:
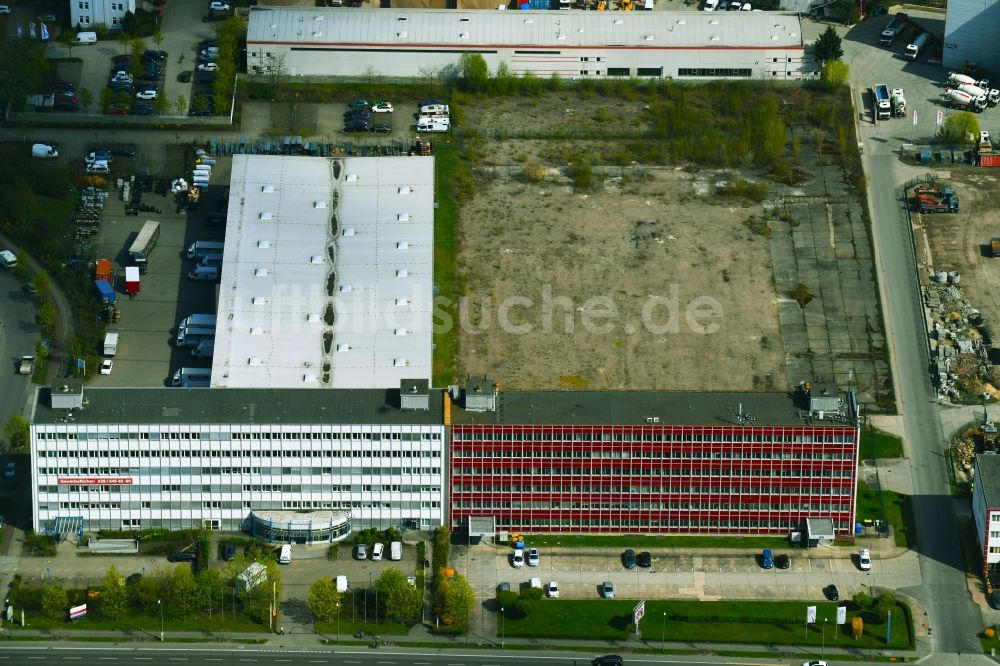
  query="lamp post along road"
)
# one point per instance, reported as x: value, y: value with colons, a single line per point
x: 159, y: 602
x: 663, y: 634
x: 503, y: 627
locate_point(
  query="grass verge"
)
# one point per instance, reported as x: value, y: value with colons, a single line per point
x: 450, y: 170
x: 348, y: 629
x: 878, y: 444
x: 898, y: 512
x: 752, y: 622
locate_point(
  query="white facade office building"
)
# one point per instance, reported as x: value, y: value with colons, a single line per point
x: 317, y: 462
x: 574, y: 44
x: 970, y: 34
x: 89, y: 14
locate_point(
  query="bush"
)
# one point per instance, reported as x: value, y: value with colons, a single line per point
x: 801, y: 294
x: 989, y: 632
x: 582, y: 175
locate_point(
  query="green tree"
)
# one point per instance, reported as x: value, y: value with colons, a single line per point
x: 475, y: 72
x: 503, y: 80
x: 41, y: 350
x: 124, y: 40
x: 55, y: 602
x: 17, y: 433
x: 507, y: 600
x: 459, y: 600
x: 828, y: 46
x: 531, y: 84
x: 114, y: 596
x: 863, y: 599
x: 147, y: 591
x: 158, y: 38
x: 67, y: 39
x: 46, y: 314
x: 106, y: 98
x: 959, y: 129
x: 161, y: 104
x: 402, y: 600
x: 834, y: 74
x: 41, y: 282
x: 884, y: 603
x: 182, y: 592
x: 86, y: 97
x: 324, y: 598
x: 209, y: 586
x: 180, y: 105
x: 528, y: 600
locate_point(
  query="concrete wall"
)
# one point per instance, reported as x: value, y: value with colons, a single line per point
x: 970, y: 33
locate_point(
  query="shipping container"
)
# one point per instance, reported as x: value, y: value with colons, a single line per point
x: 105, y: 291
x: 103, y: 270
x: 989, y: 160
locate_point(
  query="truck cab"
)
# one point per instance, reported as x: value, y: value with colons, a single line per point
x: 27, y: 365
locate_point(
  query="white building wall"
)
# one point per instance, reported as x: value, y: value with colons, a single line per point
x: 189, y: 476
x: 87, y: 14
x: 970, y: 33
x: 781, y: 63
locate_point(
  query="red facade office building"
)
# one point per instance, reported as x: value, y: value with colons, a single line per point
x: 654, y: 462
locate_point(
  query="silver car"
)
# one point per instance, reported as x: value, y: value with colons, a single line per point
x: 608, y: 590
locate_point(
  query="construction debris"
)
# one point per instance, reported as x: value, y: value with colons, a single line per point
x: 958, y: 342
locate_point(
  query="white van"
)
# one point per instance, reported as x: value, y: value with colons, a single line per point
x: 710, y: 5
x: 396, y: 551
x: 435, y: 110
x: 88, y: 38
x: 377, y: 551
x: 101, y: 166
x: 44, y: 150
x: 286, y: 554
x: 341, y: 583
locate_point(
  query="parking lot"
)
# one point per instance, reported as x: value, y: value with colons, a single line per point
x: 686, y: 575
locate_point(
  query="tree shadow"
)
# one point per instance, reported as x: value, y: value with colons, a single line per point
x: 297, y: 610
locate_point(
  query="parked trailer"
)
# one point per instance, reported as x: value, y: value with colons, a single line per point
x: 883, y: 105
x: 192, y: 378
x: 143, y: 244
x: 131, y: 280
x: 105, y: 291
x: 892, y: 30
x: 958, y: 79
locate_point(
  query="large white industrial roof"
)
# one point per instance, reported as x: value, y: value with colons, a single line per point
x: 327, y: 273
x: 472, y: 30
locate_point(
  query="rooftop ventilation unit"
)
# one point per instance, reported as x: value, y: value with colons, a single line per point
x: 351, y: 178
x: 402, y: 272
x: 266, y: 215
x: 681, y: 22
x: 343, y: 347
x: 260, y: 272
x: 309, y: 379
x: 349, y: 231
x: 399, y: 361
x: 317, y: 18
x: 258, y: 300
x: 402, y: 301
x: 317, y: 33
x: 560, y: 37
x: 263, y: 244
x: 267, y: 189
x: 319, y: 204
x: 619, y: 22
x: 401, y: 331
x: 256, y: 330
x: 528, y: 20
x: 404, y: 189
x: 401, y: 34
x: 316, y: 259
x: 463, y: 35
x: 312, y: 317
x: 403, y: 245
x: 254, y: 361
x: 403, y: 217
x: 714, y: 38
x: 345, y: 288
x: 648, y: 38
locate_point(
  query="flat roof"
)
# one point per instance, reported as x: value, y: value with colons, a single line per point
x: 327, y: 275
x: 473, y: 29
x: 641, y: 408
x: 206, y: 406
x: 988, y: 477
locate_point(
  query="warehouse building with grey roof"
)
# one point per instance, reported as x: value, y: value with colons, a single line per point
x: 401, y: 43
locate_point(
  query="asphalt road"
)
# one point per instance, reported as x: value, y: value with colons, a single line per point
x: 380, y: 657
x: 952, y: 617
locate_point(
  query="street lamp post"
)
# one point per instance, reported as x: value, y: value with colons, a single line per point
x: 159, y: 602
x: 663, y: 634
x: 503, y: 627
x: 822, y: 653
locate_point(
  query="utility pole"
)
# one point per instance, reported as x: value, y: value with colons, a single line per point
x: 503, y: 627
x: 159, y: 602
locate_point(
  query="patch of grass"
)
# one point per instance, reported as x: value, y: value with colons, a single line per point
x: 448, y: 167
x: 878, y: 444
x: 758, y: 225
x: 801, y: 294
x: 898, y: 512
x: 644, y: 541
x: 754, y: 622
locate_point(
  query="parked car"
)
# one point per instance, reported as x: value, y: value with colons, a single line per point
x: 4, y: 9
x: 377, y: 551
x: 106, y: 366
x: 608, y: 590
x: 831, y: 592
x: 186, y: 556
x: 533, y: 560
x: 767, y: 559
x: 644, y: 559
x: 814, y: 662
x: 98, y: 155
x: 382, y: 128
x: 116, y: 110
x: 628, y: 558
x: 158, y: 56
x: 229, y: 552
x: 503, y: 587
x: 553, y: 591
x: 30, y: 288
x: 147, y: 94
x: 865, y: 559
x: 207, y: 67
x: 358, y: 103
x: 218, y: 6
x: 517, y: 558
x: 10, y: 471
x: 993, y: 599
x: 361, y: 552
x: 782, y: 561
x: 142, y: 110
x: 382, y: 106
x: 185, y: 76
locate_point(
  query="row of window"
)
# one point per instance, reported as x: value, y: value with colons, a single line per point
x: 270, y: 471
x: 806, y: 472
x: 168, y: 505
x: 137, y: 488
x: 653, y: 506
x: 719, y: 72
x: 686, y: 489
x: 226, y: 453
x: 357, y: 436
x: 680, y: 523
x: 688, y: 436
x: 597, y: 454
